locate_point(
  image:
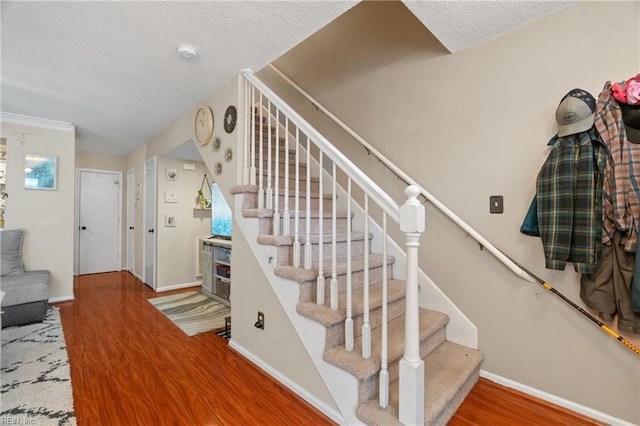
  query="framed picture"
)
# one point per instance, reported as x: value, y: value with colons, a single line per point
x: 170, y: 220
x: 170, y: 196
x: 40, y: 172
x: 170, y: 174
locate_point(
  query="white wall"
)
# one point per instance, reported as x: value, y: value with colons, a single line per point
x: 473, y: 124
x: 176, y: 245
x: 48, y: 216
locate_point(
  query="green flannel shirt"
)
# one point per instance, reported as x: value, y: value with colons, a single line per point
x: 569, y: 193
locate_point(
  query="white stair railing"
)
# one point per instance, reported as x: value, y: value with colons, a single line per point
x: 409, y: 181
x: 409, y: 218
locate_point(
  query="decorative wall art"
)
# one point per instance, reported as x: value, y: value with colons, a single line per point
x: 170, y: 220
x: 230, y: 119
x: 217, y: 143
x: 218, y: 169
x: 40, y: 172
x: 170, y: 196
x: 228, y: 154
x: 171, y: 174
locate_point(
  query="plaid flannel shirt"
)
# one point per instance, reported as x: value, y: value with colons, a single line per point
x: 569, y: 193
x: 621, y: 198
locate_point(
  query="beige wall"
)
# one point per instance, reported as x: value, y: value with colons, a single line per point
x: 91, y: 160
x: 473, y: 124
x: 48, y: 216
x: 176, y: 245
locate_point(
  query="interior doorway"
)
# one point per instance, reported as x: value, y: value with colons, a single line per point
x: 99, y: 219
x: 131, y: 219
x: 149, y: 231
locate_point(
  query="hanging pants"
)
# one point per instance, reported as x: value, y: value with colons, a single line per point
x: 608, y: 289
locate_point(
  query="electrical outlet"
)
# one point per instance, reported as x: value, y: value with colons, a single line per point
x: 496, y: 204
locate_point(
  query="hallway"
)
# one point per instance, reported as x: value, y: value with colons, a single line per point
x: 131, y: 366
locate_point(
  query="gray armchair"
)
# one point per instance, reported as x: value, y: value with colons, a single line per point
x: 26, y: 293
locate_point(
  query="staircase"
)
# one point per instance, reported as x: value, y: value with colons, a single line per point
x: 314, y: 244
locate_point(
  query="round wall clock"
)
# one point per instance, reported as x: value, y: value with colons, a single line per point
x: 230, y: 119
x: 203, y: 125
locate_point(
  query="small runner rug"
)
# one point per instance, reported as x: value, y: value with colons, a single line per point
x: 36, y: 380
x: 192, y: 312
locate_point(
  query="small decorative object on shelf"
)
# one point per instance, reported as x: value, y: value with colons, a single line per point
x: 228, y: 154
x: 217, y: 143
x: 201, y: 201
x: 218, y: 170
x: 230, y: 119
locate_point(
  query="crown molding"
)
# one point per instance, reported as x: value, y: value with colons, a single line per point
x: 26, y: 120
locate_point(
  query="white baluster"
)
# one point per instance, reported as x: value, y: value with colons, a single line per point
x: 245, y: 139
x: 276, y: 213
x: 412, y: 223
x: 320, y: 282
x: 296, y: 223
x: 348, y: 323
x: 334, y: 238
x: 307, y: 244
x: 366, y: 327
x: 286, y: 217
x: 384, y: 373
x: 252, y: 169
x: 269, y: 195
x: 260, y: 161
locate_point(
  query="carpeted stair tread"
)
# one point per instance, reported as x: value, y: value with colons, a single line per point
x: 301, y: 275
x: 352, y: 362
x: 450, y: 372
x: 328, y: 317
x: 253, y: 189
x: 288, y: 240
x: 268, y: 213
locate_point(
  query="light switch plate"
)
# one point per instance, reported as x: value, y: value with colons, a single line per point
x: 496, y: 204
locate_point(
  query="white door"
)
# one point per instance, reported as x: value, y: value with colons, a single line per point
x: 99, y: 221
x: 131, y: 219
x: 149, y: 230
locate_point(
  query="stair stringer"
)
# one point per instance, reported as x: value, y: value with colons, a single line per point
x: 460, y: 329
x: 342, y: 386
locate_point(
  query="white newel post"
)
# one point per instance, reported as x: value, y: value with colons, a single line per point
x: 412, y: 223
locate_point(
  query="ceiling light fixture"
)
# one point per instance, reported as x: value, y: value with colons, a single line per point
x: 187, y: 51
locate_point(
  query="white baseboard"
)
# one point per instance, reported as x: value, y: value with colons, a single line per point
x: 178, y: 286
x: 293, y: 386
x: 61, y: 299
x: 573, y: 406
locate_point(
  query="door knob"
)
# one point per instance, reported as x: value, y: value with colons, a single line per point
x: 151, y: 231
x: 131, y: 228
x: 83, y: 228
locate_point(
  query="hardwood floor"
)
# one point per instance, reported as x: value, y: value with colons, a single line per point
x: 131, y: 366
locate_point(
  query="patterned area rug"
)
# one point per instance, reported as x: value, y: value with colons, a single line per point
x: 36, y: 382
x: 192, y: 312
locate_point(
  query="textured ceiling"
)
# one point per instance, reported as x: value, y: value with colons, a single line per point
x: 112, y: 68
x: 461, y: 24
